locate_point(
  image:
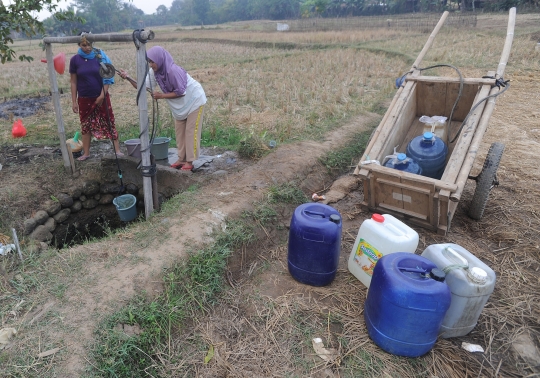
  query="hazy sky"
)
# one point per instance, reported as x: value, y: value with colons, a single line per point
x: 147, y: 6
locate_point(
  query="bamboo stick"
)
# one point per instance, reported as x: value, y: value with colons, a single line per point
x: 108, y: 37
x: 57, y: 109
x: 479, y: 134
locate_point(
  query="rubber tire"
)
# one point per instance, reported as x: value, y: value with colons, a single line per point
x: 484, y: 181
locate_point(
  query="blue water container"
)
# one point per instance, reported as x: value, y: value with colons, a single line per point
x: 429, y: 152
x: 314, y: 244
x: 403, y: 163
x: 406, y: 304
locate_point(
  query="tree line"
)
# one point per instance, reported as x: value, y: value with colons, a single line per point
x: 114, y: 15
x: 102, y: 16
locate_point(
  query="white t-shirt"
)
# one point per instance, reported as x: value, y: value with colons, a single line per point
x: 183, y: 106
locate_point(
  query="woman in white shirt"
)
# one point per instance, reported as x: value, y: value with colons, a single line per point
x: 185, y: 97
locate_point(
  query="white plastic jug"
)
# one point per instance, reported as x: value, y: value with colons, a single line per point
x: 435, y: 125
x: 470, y: 281
x: 379, y: 236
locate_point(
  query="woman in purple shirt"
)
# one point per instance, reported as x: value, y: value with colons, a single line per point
x: 90, y: 97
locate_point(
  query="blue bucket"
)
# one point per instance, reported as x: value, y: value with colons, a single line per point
x: 125, y: 205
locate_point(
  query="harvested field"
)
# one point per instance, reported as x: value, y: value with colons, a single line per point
x: 87, y: 310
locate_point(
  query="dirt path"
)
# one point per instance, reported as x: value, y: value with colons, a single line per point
x: 115, y: 270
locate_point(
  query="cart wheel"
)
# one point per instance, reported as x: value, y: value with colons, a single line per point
x: 486, y: 180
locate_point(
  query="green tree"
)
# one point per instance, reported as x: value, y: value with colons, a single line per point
x: 314, y: 7
x: 202, y: 8
x: 19, y: 17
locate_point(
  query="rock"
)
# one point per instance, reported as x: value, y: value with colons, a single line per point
x: 89, y: 203
x: 110, y: 189
x: 52, y: 207
x: 90, y: 187
x: 65, y: 200
x: 41, y: 216
x: 62, y: 215
x: 50, y: 224
x: 41, y: 234
x: 97, y: 197
x: 43, y: 246
x: 29, y: 226
x: 32, y: 246
x: 161, y: 198
x: 77, y: 205
x: 221, y: 172
x: 132, y: 189
x: 82, y: 198
x: 106, y: 199
x: 74, y: 192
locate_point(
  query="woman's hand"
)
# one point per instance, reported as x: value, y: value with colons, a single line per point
x: 123, y: 74
x: 75, y: 107
x: 100, y: 99
x: 157, y: 95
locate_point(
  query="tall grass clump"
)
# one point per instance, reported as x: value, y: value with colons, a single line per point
x: 344, y: 158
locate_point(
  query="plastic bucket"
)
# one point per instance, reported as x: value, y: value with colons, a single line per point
x: 160, y: 148
x: 125, y: 205
x: 133, y: 147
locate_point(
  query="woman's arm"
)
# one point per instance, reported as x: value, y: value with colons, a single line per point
x: 124, y: 75
x: 101, y: 97
x: 74, y: 104
x: 158, y: 95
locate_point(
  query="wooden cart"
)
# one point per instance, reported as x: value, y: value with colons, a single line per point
x: 424, y: 201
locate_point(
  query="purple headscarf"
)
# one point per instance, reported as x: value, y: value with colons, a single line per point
x: 169, y: 76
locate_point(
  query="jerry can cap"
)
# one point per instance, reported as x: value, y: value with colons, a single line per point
x: 378, y: 218
x: 401, y: 156
x: 477, y: 275
x: 428, y: 135
x: 335, y: 218
x: 437, y: 274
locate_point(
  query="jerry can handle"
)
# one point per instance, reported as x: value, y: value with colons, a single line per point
x: 308, y: 212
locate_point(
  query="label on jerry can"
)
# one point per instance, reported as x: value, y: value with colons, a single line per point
x: 366, y: 256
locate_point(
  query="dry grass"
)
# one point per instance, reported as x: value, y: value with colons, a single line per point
x: 259, y: 330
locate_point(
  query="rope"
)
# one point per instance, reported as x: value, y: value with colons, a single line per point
x: 460, y: 92
x: 499, y: 82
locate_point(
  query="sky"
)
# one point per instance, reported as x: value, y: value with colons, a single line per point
x: 147, y: 6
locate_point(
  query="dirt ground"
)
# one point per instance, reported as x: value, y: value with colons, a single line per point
x: 111, y: 271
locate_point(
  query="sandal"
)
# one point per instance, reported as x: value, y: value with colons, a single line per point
x: 177, y: 165
x: 84, y: 157
x: 187, y: 167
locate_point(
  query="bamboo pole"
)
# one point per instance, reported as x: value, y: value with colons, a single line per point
x: 108, y: 37
x: 143, y: 126
x: 430, y: 40
x: 490, y: 106
x: 57, y: 109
